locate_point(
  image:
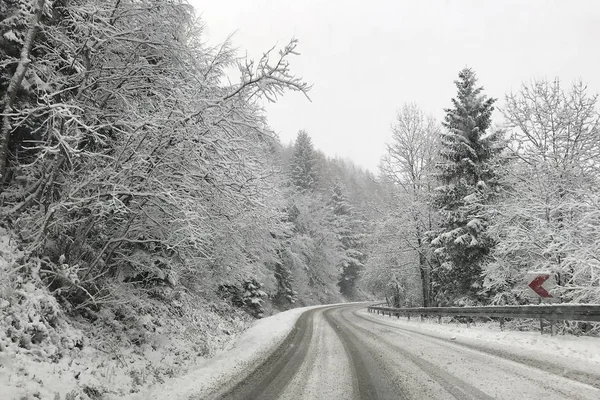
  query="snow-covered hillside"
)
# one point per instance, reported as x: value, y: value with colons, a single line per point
x: 47, y: 353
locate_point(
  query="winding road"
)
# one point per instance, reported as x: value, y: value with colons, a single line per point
x: 342, y: 352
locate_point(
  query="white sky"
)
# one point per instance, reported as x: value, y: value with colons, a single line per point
x: 366, y: 58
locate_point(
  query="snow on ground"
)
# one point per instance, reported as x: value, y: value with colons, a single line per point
x: 566, y: 350
x: 104, y: 369
x: 251, y: 348
x: 136, y: 349
x: 46, y: 355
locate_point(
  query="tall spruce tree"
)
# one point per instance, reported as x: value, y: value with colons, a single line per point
x: 303, y: 169
x: 468, y: 181
x: 346, y: 229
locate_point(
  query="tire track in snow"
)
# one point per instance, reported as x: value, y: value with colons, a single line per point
x: 572, y: 373
x: 498, y: 376
x: 453, y: 386
x: 269, y: 380
x: 360, y: 360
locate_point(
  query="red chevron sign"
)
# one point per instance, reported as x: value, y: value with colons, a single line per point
x: 540, y: 283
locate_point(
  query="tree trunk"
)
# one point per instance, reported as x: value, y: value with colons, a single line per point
x: 15, y: 84
x: 424, y: 269
x: 423, y: 265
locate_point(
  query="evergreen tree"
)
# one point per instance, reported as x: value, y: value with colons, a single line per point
x: 303, y: 165
x: 468, y: 180
x: 285, y: 285
x: 345, y: 228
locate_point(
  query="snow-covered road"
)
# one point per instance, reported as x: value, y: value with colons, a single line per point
x: 342, y: 352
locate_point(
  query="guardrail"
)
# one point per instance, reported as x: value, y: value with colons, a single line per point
x: 550, y: 312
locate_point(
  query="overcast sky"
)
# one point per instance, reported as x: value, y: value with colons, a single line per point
x: 366, y: 58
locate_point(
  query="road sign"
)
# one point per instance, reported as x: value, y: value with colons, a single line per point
x: 540, y: 284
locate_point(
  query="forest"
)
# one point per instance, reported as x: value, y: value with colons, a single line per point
x: 136, y: 178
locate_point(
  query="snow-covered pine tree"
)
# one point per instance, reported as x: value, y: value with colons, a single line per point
x: 468, y: 179
x: 346, y: 229
x: 285, y: 289
x: 303, y: 165
x: 309, y: 256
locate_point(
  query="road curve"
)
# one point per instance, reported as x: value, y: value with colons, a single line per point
x: 341, y: 352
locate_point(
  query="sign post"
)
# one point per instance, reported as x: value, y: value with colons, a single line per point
x: 539, y: 285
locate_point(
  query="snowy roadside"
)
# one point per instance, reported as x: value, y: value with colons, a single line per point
x: 137, y: 349
x: 563, y: 350
x: 45, y: 354
x: 253, y: 346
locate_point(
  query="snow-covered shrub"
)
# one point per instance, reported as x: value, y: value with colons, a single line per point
x: 247, y: 294
x: 32, y: 320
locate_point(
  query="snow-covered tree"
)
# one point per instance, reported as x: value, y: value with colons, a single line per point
x: 408, y: 166
x: 131, y: 161
x: 310, y: 254
x: 19, y: 27
x: 467, y: 172
x: 392, y: 268
x: 346, y: 226
x: 303, y: 164
x: 549, y: 219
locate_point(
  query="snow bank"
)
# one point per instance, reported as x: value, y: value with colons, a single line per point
x: 251, y: 348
